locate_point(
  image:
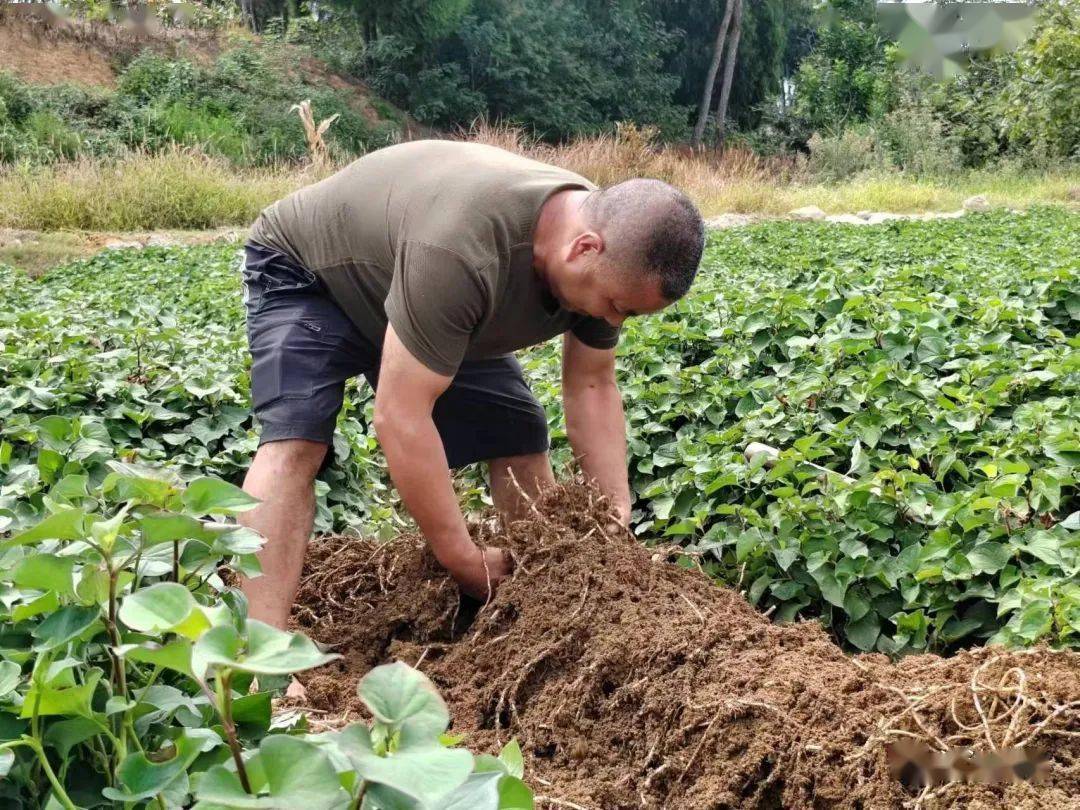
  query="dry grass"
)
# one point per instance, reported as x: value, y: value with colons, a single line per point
x: 176, y: 189
x: 186, y: 189
x: 739, y: 181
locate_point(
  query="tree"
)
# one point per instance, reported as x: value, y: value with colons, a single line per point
x: 729, y: 72
x: 710, y: 78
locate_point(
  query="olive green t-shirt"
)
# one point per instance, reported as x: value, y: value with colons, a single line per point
x: 434, y: 237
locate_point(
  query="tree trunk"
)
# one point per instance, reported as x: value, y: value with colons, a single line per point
x: 710, y: 77
x: 729, y: 74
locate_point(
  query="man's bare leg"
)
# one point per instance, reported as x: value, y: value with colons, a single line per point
x: 282, y: 476
x: 532, y: 473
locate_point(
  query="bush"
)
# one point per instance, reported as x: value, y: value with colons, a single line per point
x: 838, y: 157
x: 913, y: 137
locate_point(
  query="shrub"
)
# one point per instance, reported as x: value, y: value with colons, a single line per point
x: 838, y: 157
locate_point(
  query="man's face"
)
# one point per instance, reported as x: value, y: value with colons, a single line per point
x: 586, y: 283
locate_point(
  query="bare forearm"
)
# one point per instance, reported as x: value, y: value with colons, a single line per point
x: 418, y: 467
x: 596, y: 426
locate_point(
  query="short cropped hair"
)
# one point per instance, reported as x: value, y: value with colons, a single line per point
x: 652, y: 227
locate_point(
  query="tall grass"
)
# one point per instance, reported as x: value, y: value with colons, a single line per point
x: 185, y: 189
x: 737, y: 180
x: 179, y: 188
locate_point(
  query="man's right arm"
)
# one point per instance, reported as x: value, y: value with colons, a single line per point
x: 404, y: 400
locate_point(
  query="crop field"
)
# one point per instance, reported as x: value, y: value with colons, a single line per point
x: 931, y: 368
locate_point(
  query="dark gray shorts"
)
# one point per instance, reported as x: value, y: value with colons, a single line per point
x: 304, y: 348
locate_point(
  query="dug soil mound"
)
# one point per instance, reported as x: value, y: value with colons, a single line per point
x: 632, y: 682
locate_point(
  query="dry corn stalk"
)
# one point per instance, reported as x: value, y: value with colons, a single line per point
x: 320, y: 153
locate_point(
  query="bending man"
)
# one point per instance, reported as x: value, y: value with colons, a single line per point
x: 423, y: 266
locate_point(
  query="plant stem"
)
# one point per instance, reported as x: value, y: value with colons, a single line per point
x: 58, y: 789
x: 119, y: 677
x: 359, y: 801
x: 176, y: 560
x: 224, y: 704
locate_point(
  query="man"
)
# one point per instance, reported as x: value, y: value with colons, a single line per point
x: 423, y: 266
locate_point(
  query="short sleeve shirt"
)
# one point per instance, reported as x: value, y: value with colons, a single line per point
x: 434, y: 237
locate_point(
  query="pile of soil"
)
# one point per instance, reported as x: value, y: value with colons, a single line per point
x: 632, y: 682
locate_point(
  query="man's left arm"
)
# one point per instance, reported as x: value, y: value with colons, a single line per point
x: 595, y: 422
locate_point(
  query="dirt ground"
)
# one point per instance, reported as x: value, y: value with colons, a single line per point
x: 632, y: 682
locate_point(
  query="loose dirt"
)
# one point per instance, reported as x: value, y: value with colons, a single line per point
x: 634, y: 682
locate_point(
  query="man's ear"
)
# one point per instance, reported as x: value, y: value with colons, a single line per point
x: 588, y: 242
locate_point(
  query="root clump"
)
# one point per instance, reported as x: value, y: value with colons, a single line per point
x: 631, y: 682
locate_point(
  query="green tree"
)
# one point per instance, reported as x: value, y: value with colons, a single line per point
x: 849, y: 75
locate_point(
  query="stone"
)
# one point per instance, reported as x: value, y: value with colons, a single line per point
x: 729, y: 221
x: 120, y: 244
x: 977, y: 204
x: 864, y: 214
x: 847, y: 219
x: 879, y: 217
x: 808, y: 212
x: 157, y: 240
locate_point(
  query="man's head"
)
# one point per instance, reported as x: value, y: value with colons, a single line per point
x: 629, y: 249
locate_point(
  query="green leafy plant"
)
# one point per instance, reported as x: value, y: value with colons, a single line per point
x: 127, y: 670
x: 933, y: 362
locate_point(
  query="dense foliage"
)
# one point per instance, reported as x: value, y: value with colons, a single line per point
x: 936, y: 363
x: 238, y: 107
x: 131, y: 674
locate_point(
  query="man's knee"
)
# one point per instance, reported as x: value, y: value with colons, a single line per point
x: 530, y: 470
x: 297, y: 460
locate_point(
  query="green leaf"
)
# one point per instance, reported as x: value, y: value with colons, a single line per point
x: 165, y: 527
x: 298, y: 775
x: 512, y: 758
x: 515, y: 794
x: 398, y: 695
x: 64, y: 735
x: 66, y: 525
x: 44, y: 572
x: 479, y: 792
x: 143, y: 778
x: 864, y: 632
x: 989, y: 558
x: 46, y: 603
x: 266, y: 651
x: 74, y: 700
x: 176, y: 655
x: 211, y: 496
x: 158, y: 608
x: 1045, y: 546
x: 66, y: 624
x: 10, y: 675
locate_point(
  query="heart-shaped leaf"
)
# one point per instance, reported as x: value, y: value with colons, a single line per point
x: 211, y: 496
x: 157, y: 609
x: 265, y: 651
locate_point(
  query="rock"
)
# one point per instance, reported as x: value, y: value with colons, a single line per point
x: 950, y: 214
x: 157, y: 240
x: 119, y: 244
x: 977, y: 204
x: 847, y: 219
x: 729, y: 221
x: 879, y: 217
x: 864, y: 214
x: 808, y: 212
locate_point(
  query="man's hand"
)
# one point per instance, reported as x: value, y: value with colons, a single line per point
x: 414, y: 453
x: 479, y: 572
